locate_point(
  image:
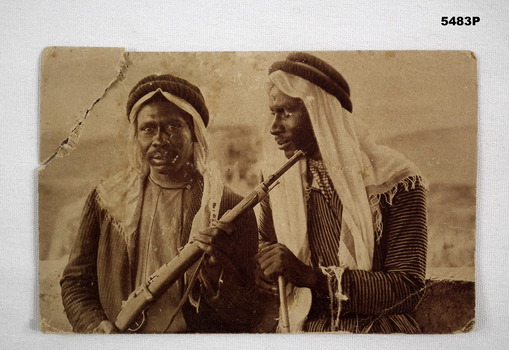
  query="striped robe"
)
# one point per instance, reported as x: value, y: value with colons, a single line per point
x: 381, y: 300
x: 100, y: 273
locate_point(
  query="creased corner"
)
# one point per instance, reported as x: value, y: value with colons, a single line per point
x: 71, y: 141
x: 47, y: 52
x: 468, y: 327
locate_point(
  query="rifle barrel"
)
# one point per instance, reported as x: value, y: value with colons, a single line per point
x: 171, y: 272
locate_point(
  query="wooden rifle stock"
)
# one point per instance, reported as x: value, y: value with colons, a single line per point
x: 159, y: 282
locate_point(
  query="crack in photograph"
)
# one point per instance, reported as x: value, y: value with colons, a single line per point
x: 257, y: 192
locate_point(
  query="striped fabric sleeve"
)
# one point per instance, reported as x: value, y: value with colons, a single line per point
x: 80, y: 294
x: 399, y: 284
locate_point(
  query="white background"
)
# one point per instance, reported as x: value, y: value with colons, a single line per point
x: 26, y: 27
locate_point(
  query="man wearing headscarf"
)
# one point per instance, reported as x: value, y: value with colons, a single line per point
x: 139, y: 219
x: 347, y: 227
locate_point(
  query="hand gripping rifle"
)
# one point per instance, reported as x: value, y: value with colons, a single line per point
x: 159, y: 282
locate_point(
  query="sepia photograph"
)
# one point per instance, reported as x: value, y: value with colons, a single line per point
x: 257, y: 192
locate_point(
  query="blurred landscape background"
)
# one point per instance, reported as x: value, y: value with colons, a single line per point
x: 423, y: 104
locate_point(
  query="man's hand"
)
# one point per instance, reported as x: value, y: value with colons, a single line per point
x: 276, y: 260
x: 105, y: 327
x: 217, y: 243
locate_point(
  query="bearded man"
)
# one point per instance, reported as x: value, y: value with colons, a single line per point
x: 139, y: 219
x: 347, y: 229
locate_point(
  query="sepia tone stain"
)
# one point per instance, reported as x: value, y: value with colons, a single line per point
x: 71, y: 141
x: 448, y: 306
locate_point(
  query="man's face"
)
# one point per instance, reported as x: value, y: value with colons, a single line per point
x: 165, y: 138
x: 291, y: 125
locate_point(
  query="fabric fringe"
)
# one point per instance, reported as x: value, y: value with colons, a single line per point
x: 409, y: 183
x: 116, y: 225
x: 378, y: 225
x: 120, y: 196
x: 195, y: 302
x: 334, y: 276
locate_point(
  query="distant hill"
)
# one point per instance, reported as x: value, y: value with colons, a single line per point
x: 446, y: 156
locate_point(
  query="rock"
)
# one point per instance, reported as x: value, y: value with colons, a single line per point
x: 447, y: 307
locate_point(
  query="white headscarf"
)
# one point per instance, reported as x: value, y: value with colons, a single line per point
x: 360, y: 170
x: 121, y: 195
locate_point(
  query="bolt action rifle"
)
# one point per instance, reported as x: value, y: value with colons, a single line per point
x: 142, y: 297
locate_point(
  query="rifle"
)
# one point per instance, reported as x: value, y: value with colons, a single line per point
x: 159, y: 282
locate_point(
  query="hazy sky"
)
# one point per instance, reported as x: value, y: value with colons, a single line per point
x: 422, y: 103
x: 396, y: 92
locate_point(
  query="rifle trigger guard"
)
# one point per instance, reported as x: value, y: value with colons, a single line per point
x: 145, y: 293
x: 138, y: 324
